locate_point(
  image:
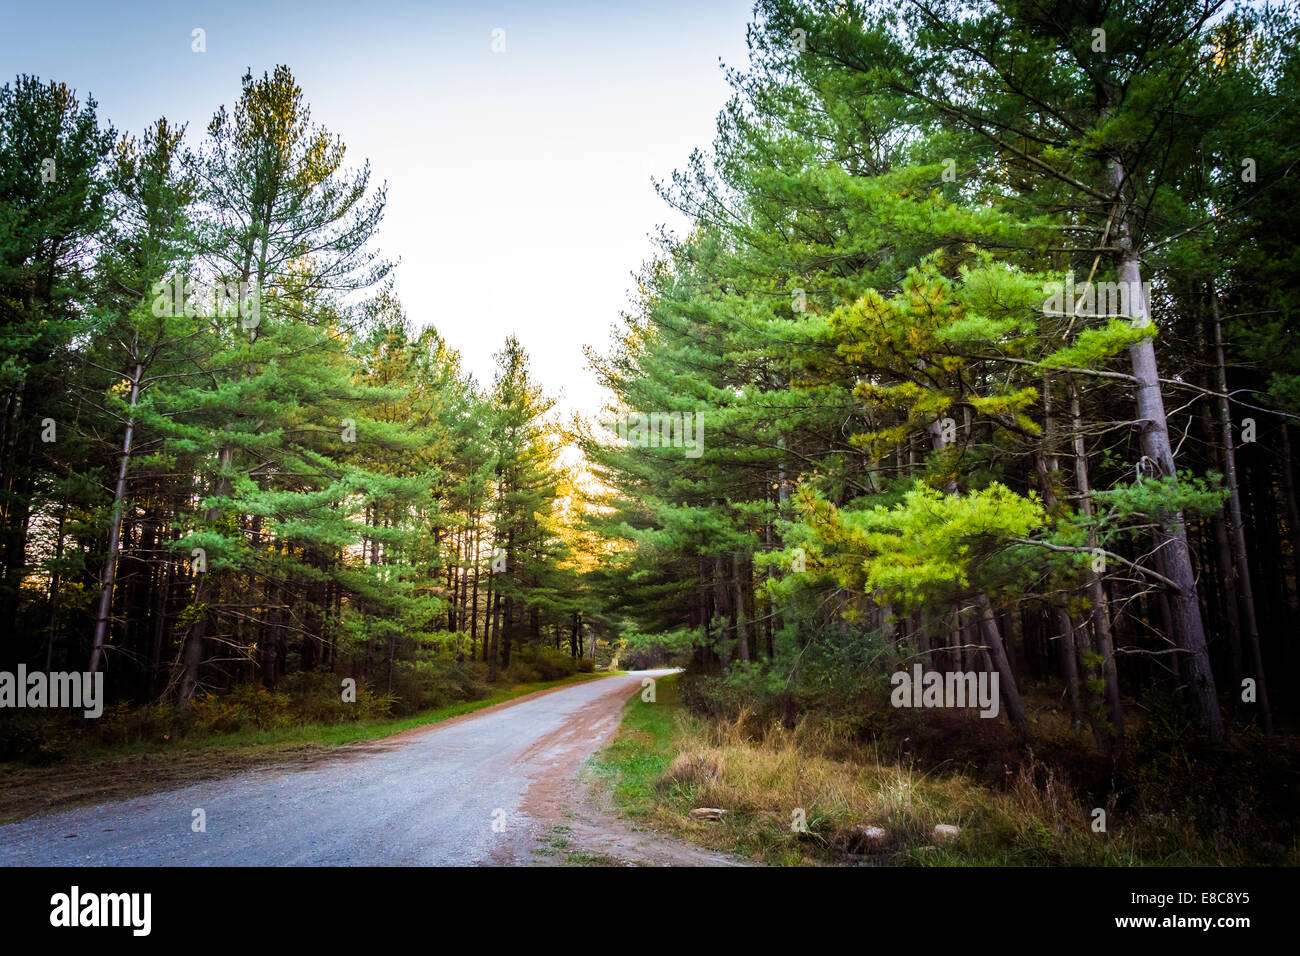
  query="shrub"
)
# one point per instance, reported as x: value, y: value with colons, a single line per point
x: 427, y: 685
x: 645, y: 651
x: 39, y: 737
x: 532, y: 663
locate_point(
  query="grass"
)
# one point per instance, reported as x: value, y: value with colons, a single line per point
x: 590, y: 859
x: 634, y: 761
x: 109, y: 773
x: 665, y: 762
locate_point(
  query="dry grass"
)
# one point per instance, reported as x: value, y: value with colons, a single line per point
x: 763, y: 776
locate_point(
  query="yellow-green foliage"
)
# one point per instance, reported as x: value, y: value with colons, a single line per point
x: 924, y: 543
x: 1094, y: 346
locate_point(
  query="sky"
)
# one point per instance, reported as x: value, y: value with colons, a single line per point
x: 519, y: 180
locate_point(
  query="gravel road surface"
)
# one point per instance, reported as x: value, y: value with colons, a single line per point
x: 484, y: 788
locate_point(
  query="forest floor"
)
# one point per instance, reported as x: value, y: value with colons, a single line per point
x: 107, y: 775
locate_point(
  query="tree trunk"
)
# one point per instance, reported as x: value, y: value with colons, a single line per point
x: 720, y: 596
x: 1292, y: 511
x: 738, y: 608
x: 1229, y: 611
x: 473, y: 604
x: 507, y: 631
x: 1098, y: 651
x: 1249, y: 623
x: 1047, y: 463
x: 1007, y: 679
x: 494, y: 602
x: 193, y: 652
x: 1173, y: 557
x: 115, y: 531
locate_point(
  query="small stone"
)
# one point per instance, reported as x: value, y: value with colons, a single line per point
x: 871, y: 836
x: 707, y: 813
x: 944, y: 832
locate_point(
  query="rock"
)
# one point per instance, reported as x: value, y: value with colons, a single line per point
x: 707, y: 813
x: 945, y: 832
x: 871, y: 837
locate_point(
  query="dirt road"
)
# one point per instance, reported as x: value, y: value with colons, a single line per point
x: 487, y: 788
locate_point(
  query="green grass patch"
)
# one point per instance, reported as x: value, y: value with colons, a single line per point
x: 644, y: 747
x: 591, y: 859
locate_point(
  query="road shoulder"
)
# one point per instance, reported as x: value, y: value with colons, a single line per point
x: 600, y: 819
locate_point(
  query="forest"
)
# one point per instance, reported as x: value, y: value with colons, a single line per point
x: 231, y: 461
x: 980, y: 354
x: 987, y: 310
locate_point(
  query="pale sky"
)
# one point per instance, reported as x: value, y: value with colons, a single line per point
x: 519, y: 192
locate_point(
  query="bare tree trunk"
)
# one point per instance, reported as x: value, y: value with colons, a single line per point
x: 1292, y: 511
x: 705, y: 593
x: 738, y: 608
x: 55, y: 579
x: 1069, y: 664
x: 462, y: 600
x: 1065, y: 644
x: 720, y: 597
x: 768, y: 639
x: 1098, y: 650
x: 1227, y: 595
x: 1250, y: 624
x: 193, y: 653
x: 473, y: 606
x: 115, y: 530
x: 998, y: 652
x: 453, y: 585
x: 508, y: 619
x: 920, y: 637
x: 160, y: 626
x: 1173, y: 556
x: 494, y: 603
x: 1048, y: 465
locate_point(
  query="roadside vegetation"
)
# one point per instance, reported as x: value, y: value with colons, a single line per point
x: 311, y: 712
x: 875, y: 797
